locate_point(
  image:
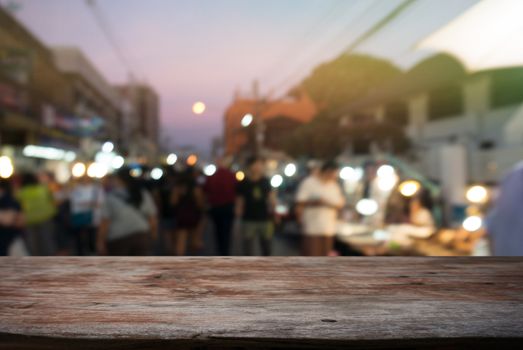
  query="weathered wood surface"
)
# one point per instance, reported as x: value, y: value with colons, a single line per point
x: 156, y: 303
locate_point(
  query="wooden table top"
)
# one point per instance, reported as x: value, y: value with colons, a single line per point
x: 157, y: 302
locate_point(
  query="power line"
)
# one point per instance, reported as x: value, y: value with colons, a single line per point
x: 362, y: 38
x: 330, y: 15
x: 381, y: 24
x: 311, y: 54
x: 105, y: 26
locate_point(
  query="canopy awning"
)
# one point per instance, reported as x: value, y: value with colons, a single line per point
x: 487, y: 36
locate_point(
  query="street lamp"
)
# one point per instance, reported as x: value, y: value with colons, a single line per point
x: 247, y: 120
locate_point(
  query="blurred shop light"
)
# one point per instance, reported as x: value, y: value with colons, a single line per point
x: 69, y: 156
x: 276, y: 181
x: 290, y: 170
x: 78, y: 170
x: 351, y: 174
x: 477, y: 194
x: 62, y: 173
x: 49, y: 153
x: 6, y: 167
x: 97, y: 170
x: 240, y: 175
x: 386, y: 184
x: 472, y: 223
x: 247, y: 120
x: 367, y: 207
x: 192, y: 160
x: 209, y: 170
x: 347, y: 173
x: 386, y: 171
x: 136, y: 172
x: 156, y: 174
x: 409, y: 188
x: 272, y: 164
x: 281, y: 209
x: 107, y: 147
x: 381, y: 235
x: 117, y: 162
x: 171, y: 159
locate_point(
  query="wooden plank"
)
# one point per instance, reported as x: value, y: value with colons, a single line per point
x: 158, y: 303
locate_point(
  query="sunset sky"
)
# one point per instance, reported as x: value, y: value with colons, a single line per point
x: 191, y: 50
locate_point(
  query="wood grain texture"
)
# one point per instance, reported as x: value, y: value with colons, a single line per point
x: 160, y: 303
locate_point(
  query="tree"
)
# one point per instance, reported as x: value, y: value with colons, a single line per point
x: 346, y: 79
x: 320, y: 138
x: 332, y: 86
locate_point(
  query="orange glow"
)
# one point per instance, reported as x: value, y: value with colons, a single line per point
x: 240, y: 175
x: 192, y: 159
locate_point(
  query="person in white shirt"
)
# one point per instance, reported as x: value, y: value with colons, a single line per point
x: 318, y: 203
x: 86, y: 199
x: 420, y: 210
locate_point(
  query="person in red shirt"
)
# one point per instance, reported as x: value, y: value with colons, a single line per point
x: 220, y: 190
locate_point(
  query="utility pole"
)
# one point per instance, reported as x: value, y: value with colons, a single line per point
x: 259, y: 127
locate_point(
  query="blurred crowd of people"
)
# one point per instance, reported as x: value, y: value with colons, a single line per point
x: 129, y: 215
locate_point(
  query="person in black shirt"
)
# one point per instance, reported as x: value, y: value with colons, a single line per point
x: 255, y: 203
x: 10, y: 217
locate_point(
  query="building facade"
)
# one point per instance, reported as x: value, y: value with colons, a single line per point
x: 451, y: 113
x: 141, y: 120
x: 94, y: 102
x: 278, y: 118
x: 30, y: 86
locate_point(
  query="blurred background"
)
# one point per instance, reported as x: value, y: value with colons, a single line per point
x: 220, y: 111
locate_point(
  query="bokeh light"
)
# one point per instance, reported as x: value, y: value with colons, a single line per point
x: 290, y: 170
x: 247, y: 120
x: 409, y: 188
x: 97, y: 170
x: 209, y: 170
x: 240, y: 175
x: 367, y: 207
x: 276, y: 181
x: 6, y: 167
x: 472, y: 223
x: 107, y: 147
x: 78, y: 170
x: 171, y: 159
x: 156, y: 174
x: 192, y: 160
x: 477, y: 194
